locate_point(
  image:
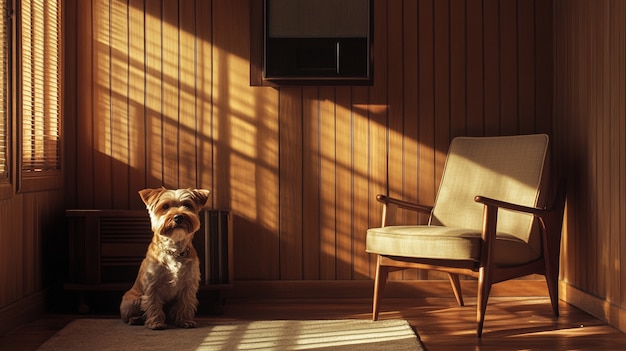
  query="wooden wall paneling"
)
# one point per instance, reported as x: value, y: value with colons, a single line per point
x: 377, y: 111
x: 441, y: 98
x: 18, y: 224
x: 591, y: 63
x: 426, y: 127
x: 620, y: 21
x: 267, y: 176
x: 474, y: 67
x: 154, y: 94
x: 612, y: 150
x: 290, y: 183
x: 526, y: 71
x: 187, y: 96
x: 70, y: 131
x: 15, y: 250
x: 566, y: 87
x: 360, y: 170
x: 410, y: 106
x: 171, y: 93
x: 245, y: 123
x: 137, y: 101
x: 120, y: 137
x: 344, y: 184
x: 204, y: 95
x: 589, y: 129
x: 83, y: 162
x: 602, y: 149
x: 559, y: 141
x: 7, y: 252
x: 101, y: 66
x: 395, y: 112
x: 442, y: 84
x: 311, y: 183
x: 491, y: 64
x: 4, y: 256
x: 458, y: 69
x: 28, y: 255
x: 410, y: 114
x: 544, y: 71
x: 439, y: 72
x: 508, y: 67
x: 578, y: 101
x: 328, y: 183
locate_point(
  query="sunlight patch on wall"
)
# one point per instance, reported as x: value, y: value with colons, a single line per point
x: 246, y: 139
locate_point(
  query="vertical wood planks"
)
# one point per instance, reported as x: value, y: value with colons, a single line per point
x: 187, y: 96
x: 590, y: 128
x: 290, y: 183
x: 120, y: 95
x: 137, y: 79
x: 164, y: 99
x: 154, y: 94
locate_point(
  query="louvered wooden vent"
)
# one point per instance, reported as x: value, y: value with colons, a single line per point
x: 107, y: 246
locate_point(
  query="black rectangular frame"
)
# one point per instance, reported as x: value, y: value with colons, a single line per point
x: 326, y: 69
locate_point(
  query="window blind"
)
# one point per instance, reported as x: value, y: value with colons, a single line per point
x: 5, y: 50
x: 40, y: 86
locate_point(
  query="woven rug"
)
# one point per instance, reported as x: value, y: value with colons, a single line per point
x: 330, y: 335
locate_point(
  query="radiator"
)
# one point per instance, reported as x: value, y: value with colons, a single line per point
x: 106, y: 247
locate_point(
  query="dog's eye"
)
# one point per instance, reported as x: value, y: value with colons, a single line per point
x: 187, y: 204
x: 165, y: 206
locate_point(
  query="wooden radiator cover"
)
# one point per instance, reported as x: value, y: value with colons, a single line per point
x: 106, y: 248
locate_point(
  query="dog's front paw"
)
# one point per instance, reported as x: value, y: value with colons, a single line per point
x: 187, y: 324
x: 156, y: 325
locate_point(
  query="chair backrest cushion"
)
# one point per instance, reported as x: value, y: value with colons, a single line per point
x: 509, y: 168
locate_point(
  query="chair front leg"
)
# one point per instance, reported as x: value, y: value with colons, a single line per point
x: 379, y: 285
x: 484, y: 287
x: 485, y: 273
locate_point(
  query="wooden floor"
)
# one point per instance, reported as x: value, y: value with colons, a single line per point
x: 511, y: 323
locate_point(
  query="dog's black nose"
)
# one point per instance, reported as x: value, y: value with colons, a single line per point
x: 178, y: 219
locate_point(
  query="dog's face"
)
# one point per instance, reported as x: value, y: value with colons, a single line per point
x: 174, y: 211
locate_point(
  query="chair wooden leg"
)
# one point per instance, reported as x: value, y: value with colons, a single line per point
x: 484, y: 287
x: 379, y: 285
x: 552, y: 279
x: 456, y: 287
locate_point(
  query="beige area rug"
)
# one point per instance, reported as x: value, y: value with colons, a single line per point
x: 331, y: 335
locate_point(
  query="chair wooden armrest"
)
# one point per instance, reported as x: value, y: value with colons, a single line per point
x: 511, y: 206
x: 552, y: 212
x: 407, y: 205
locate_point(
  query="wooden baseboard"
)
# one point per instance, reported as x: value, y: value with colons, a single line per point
x: 595, y: 306
x: 333, y: 289
x: 22, y: 311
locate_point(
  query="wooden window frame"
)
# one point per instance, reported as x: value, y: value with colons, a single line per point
x: 29, y: 178
x: 6, y: 177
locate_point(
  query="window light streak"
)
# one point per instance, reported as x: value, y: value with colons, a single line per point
x: 299, y: 335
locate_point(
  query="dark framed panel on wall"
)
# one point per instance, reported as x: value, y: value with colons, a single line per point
x: 311, y: 42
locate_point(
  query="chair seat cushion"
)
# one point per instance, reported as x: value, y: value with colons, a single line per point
x: 439, y: 242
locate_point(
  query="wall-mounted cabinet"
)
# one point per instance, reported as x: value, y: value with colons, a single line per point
x: 311, y: 42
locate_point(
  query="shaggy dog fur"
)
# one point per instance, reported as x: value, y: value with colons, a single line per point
x: 169, y: 276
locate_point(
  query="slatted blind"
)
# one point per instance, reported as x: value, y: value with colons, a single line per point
x: 5, y: 49
x: 40, y: 85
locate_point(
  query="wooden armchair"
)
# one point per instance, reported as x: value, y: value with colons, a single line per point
x: 492, y: 220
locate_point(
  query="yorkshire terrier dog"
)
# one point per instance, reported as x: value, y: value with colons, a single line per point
x: 169, y: 276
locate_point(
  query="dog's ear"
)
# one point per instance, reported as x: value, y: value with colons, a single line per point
x: 149, y: 195
x: 201, y: 196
